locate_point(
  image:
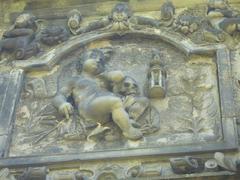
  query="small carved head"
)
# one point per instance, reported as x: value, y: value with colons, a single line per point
x: 121, y: 12
x: 25, y: 21
x: 93, y: 61
x: 167, y: 10
x: 127, y: 87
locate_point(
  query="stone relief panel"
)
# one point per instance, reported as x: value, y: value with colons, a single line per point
x: 130, y: 72
x: 126, y: 84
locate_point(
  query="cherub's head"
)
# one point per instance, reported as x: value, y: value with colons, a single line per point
x: 167, y: 10
x: 25, y: 21
x: 121, y: 12
x: 219, y: 4
x: 93, y: 62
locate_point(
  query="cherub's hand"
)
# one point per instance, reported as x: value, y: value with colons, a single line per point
x: 64, y: 127
x: 66, y: 109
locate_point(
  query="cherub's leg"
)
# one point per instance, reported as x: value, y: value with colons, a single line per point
x: 121, y: 118
x: 102, y: 106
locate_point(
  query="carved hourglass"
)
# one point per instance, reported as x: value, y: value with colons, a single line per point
x: 156, y: 78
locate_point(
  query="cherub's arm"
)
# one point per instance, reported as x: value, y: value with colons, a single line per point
x: 94, y: 25
x: 60, y: 100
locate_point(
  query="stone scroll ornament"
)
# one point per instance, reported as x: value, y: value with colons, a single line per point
x: 20, y: 39
x: 23, y: 39
x: 120, y: 19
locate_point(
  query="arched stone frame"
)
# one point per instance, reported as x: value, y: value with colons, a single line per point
x: 225, y: 87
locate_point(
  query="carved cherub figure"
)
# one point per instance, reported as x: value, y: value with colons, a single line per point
x: 167, y: 12
x: 92, y: 95
x: 222, y: 16
x: 121, y: 18
x: 20, y: 38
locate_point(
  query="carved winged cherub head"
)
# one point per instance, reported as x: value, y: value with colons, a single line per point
x: 167, y: 10
x: 121, y: 12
